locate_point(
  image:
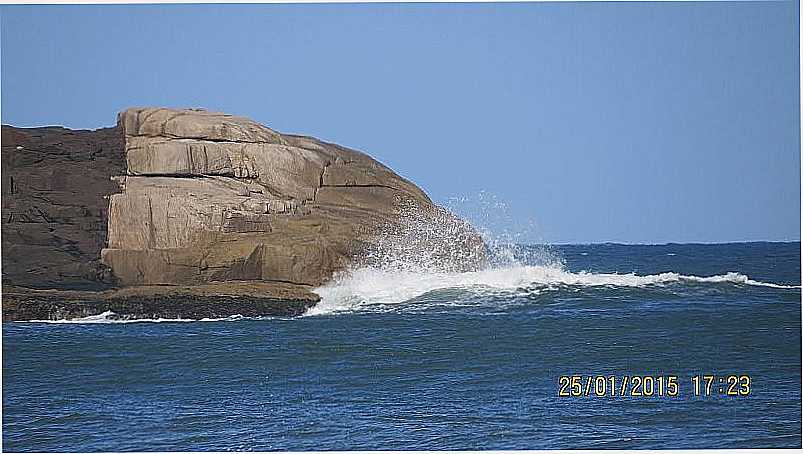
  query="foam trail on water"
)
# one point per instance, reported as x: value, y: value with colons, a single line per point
x: 110, y: 317
x: 736, y: 278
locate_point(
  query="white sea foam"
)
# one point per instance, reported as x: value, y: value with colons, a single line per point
x: 370, y: 286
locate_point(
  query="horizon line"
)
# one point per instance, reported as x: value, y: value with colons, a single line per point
x: 697, y: 243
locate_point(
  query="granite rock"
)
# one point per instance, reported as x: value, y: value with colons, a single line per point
x: 212, y: 197
x: 188, y: 198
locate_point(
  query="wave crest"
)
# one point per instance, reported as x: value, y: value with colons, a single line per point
x: 372, y: 286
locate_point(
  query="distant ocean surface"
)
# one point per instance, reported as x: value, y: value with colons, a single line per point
x: 415, y: 360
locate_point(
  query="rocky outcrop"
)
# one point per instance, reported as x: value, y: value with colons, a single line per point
x: 194, y: 198
x: 212, y: 197
x: 55, y: 187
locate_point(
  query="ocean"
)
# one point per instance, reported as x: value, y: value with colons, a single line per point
x: 411, y: 359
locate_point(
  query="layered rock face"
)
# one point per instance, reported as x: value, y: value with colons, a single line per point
x: 209, y: 197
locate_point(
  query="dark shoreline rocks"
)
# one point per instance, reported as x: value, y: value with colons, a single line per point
x: 247, y: 299
x: 55, y: 187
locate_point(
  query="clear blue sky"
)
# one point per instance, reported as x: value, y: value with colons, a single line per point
x: 627, y: 122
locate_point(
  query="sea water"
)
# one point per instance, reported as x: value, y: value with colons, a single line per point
x: 401, y: 358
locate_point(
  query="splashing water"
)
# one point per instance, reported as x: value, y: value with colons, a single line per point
x: 426, y: 240
x: 504, y: 233
x: 408, y: 262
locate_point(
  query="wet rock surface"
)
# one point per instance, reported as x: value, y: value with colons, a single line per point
x: 247, y: 299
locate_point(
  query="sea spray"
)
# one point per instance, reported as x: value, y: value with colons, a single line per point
x: 509, y: 238
x: 425, y: 239
x: 409, y: 263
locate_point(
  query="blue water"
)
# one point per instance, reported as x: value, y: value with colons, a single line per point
x: 472, y: 365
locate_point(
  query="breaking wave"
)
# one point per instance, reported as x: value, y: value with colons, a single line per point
x: 372, y: 286
x: 402, y: 274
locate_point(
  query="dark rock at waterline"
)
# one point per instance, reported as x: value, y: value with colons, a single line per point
x: 248, y: 299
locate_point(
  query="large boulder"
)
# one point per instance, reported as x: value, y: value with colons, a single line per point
x: 210, y: 197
